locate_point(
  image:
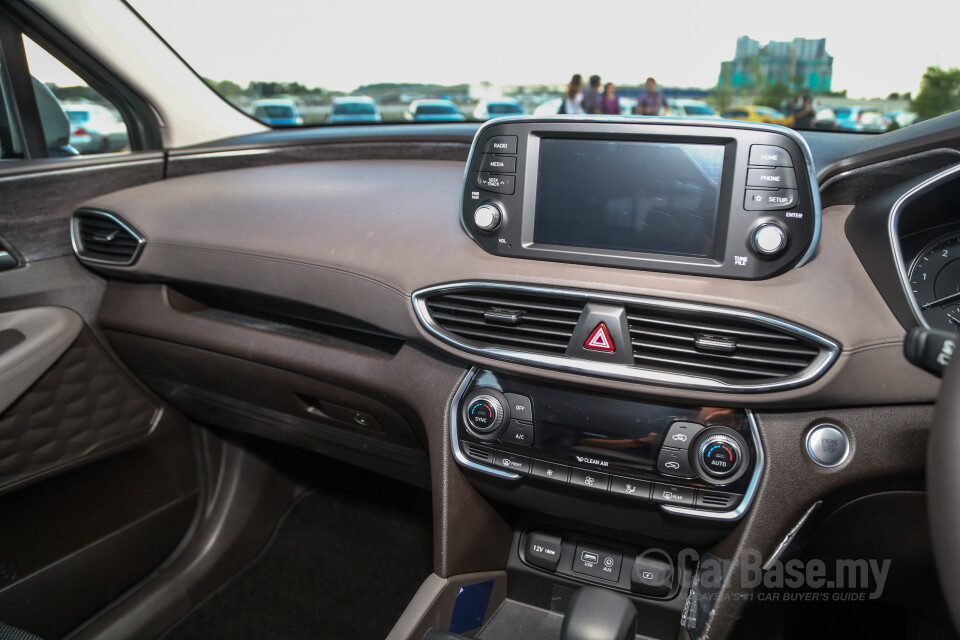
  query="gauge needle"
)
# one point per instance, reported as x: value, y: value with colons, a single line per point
x: 943, y: 300
x: 953, y: 320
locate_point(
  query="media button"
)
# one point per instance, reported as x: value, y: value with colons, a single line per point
x: 589, y: 479
x: 511, y: 462
x: 777, y: 178
x: 500, y: 144
x: 639, y: 489
x: 673, y: 494
x: 498, y: 164
x: 769, y: 156
x: 504, y: 184
x: 550, y: 471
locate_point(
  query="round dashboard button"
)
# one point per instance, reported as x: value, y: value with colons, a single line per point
x: 827, y: 445
x: 769, y: 239
x: 487, y: 217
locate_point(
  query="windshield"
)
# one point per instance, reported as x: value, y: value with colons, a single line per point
x: 802, y: 67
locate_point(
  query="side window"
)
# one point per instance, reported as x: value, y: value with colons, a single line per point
x: 77, y: 121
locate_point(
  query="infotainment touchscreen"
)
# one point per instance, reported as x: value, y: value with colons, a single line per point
x: 629, y: 196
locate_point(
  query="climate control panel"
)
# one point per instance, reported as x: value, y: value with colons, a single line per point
x: 693, y: 460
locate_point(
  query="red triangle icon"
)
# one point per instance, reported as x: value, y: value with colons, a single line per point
x: 600, y: 340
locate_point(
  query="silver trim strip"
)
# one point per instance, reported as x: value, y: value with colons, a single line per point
x: 632, y: 373
x: 788, y: 539
x: 661, y: 120
x: 748, y: 495
x: 894, y: 238
x: 453, y: 416
x: 734, y: 514
x: 78, y: 244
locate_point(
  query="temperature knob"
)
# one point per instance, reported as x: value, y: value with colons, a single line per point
x: 720, y: 455
x: 484, y: 415
x: 487, y: 217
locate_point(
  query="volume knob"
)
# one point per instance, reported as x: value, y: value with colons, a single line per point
x: 487, y: 217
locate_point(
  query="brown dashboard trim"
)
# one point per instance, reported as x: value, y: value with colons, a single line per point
x: 358, y: 237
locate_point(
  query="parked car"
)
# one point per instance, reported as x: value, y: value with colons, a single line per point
x: 495, y: 108
x: 277, y: 112
x: 860, y: 119
x: 434, y: 111
x: 825, y: 119
x: 685, y: 108
x: 549, y: 108
x: 354, y: 109
x: 753, y: 113
x: 95, y: 129
x: 902, y: 118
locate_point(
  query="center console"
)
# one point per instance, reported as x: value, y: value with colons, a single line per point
x: 698, y: 462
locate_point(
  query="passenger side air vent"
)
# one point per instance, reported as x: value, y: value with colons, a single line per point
x: 701, y: 344
x: 530, y: 322
x: 102, y: 237
x: 672, y: 343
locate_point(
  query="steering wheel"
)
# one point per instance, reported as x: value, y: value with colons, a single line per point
x: 931, y: 350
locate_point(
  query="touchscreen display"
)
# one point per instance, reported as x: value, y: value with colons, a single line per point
x: 629, y: 196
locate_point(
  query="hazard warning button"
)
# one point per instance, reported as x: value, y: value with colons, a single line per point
x: 600, y: 339
x: 602, y: 334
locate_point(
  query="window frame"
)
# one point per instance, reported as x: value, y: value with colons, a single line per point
x: 140, y: 119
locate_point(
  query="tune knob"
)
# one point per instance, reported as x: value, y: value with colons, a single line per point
x: 487, y: 217
x: 484, y: 415
x: 720, y: 455
x: 769, y: 239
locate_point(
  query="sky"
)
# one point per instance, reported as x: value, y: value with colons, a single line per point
x: 342, y: 45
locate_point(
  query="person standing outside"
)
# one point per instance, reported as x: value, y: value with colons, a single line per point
x: 610, y: 101
x: 573, y: 99
x: 591, y: 97
x: 651, y: 103
x: 806, y: 115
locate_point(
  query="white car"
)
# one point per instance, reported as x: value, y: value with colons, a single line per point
x: 354, y: 109
x: 685, y: 108
x: 95, y: 129
x: 495, y: 108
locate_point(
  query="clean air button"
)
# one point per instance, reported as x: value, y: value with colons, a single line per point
x: 501, y: 144
x: 778, y: 178
x: 769, y: 156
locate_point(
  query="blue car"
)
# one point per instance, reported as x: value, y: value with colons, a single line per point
x: 434, y: 111
x: 277, y: 113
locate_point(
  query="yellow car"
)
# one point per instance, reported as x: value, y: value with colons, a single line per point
x: 756, y: 114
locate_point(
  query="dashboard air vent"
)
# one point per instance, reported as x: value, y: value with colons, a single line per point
x: 538, y: 323
x: 104, y: 238
x: 679, y: 344
x: 731, y: 349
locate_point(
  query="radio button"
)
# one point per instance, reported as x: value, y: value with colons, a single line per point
x: 519, y: 407
x: 497, y: 183
x: 589, y: 479
x: 673, y: 494
x: 675, y: 462
x: 681, y: 434
x: 511, y: 462
x: 498, y: 164
x: 762, y: 200
x: 519, y: 434
x: 500, y: 144
x: 639, y: 489
x: 769, y: 156
x: 550, y: 471
x: 778, y: 177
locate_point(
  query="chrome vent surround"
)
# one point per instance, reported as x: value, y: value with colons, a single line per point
x: 103, y: 238
x: 677, y: 344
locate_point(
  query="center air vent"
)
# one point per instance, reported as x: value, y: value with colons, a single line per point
x: 673, y: 343
x: 104, y: 238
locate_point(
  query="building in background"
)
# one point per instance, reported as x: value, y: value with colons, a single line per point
x: 802, y: 65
